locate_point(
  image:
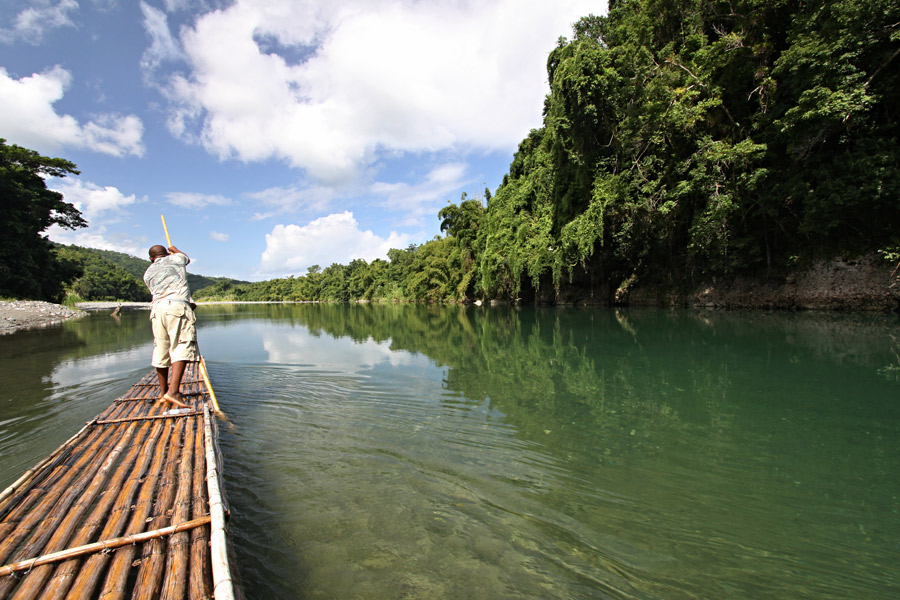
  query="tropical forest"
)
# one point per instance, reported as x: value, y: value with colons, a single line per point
x: 682, y: 141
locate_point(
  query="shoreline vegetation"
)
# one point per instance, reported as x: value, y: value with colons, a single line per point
x: 735, y: 155
x: 861, y: 285
x: 867, y: 283
x: 852, y: 286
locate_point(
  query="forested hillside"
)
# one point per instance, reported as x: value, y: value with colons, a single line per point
x: 682, y: 140
x: 136, y: 267
x: 100, y: 278
x: 109, y: 276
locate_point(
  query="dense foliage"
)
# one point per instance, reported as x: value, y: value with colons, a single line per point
x: 687, y: 138
x: 101, y: 279
x: 682, y: 140
x: 106, y: 275
x: 136, y: 267
x: 28, y: 266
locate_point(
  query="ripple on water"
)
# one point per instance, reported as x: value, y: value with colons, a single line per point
x: 588, y: 464
x: 361, y: 484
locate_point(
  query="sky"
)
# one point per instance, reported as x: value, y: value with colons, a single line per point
x: 274, y: 135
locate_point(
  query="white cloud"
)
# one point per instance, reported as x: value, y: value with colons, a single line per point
x: 422, y: 199
x: 219, y: 237
x: 295, y: 346
x: 100, y: 206
x: 175, y: 5
x: 329, y: 86
x: 32, y: 23
x: 163, y: 46
x: 281, y: 200
x: 335, y: 238
x: 98, y: 237
x: 92, y: 200
x: 196, y: 201
x: 105, y: 5
x: 27, y: 118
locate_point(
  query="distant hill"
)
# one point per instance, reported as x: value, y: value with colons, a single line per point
x: 109, y: 262
x: 137, y: 266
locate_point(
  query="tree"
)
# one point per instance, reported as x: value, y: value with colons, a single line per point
x: 335, y: 286
x: 685, y: 138
x: 463, y: 223
x: 681, y: 140
x: 28, y: 267
x: 101, y: 279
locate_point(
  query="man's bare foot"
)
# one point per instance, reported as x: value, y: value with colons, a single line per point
x: 167, y: 398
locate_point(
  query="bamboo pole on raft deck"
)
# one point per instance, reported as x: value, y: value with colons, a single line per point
x: 172, y: 566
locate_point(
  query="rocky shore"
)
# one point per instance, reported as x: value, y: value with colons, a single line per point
x: 860, y: 284
x: 33, y: 314
x: 97, y: 305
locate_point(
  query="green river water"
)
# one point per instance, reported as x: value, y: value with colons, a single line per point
x: 400, y: 452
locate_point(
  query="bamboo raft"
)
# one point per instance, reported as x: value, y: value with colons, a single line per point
x: 130, y: 505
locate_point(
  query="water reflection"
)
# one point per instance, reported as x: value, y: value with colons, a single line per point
x: 422, y: 452
x: 571, y: 453
x: 53, y: 380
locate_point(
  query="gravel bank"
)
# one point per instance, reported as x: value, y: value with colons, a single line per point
x: 33, y: 314
x: 89, y: 306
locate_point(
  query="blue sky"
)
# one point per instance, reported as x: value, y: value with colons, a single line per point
x: 274, y: 134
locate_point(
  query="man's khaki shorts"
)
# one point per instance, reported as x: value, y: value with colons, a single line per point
x: 174, y: 333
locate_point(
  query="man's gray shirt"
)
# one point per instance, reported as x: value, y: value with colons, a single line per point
x: 166, y: 278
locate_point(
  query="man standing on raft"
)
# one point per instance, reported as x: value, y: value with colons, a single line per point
x: 172, y: 318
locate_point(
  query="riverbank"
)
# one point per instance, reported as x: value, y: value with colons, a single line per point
x: 97, y: 306
x: 16, y: 315
x: 860, y: 284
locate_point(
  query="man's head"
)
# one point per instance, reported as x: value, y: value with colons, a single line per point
x: 158, y: 252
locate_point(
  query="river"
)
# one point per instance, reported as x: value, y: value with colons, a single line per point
x: 399, y: 452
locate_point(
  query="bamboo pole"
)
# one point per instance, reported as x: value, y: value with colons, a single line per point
x: 117, y: 573
x: 34, y: 582
x: 20, y: 482
x: 209, y: 388
x: 223, y: 586
x: 68, y: 573
x: 20, y: 523
x: 150, y: 573
x: 101, y: 546
x: 184, y: 381
x: 195, y: 413
x: 141, y: 390
x: 200, y: 581
x: 176, y: 570
x: 166, y: 229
